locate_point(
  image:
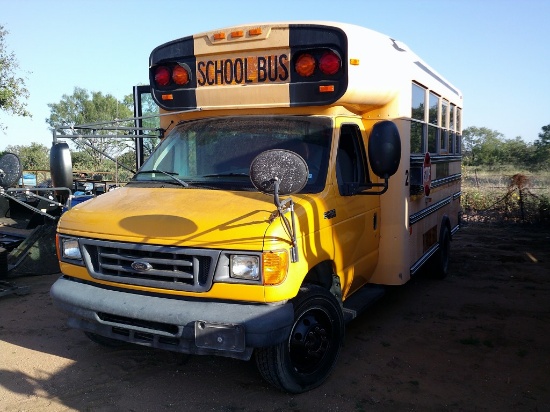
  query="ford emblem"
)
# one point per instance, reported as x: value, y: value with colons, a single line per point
x: 141, y: 266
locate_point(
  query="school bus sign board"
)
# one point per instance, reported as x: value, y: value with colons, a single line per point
x: 260, y: 58
x: 244, y: 70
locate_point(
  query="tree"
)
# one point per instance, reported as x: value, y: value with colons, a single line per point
x: 542, y: 147
x: 12, y: 88
x: 150, y: 108
x: 82, y: 108
x: 517, y: 152
x: 33, y: 157
x: 482, y: 146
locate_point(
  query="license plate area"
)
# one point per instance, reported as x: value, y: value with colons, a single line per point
x: 218, y: 336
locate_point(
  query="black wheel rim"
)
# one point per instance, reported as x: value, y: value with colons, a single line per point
x: 311, y: 341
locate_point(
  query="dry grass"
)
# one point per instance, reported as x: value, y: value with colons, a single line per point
x: 506, y: 195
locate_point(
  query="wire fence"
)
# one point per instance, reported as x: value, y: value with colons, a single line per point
x: 519, y: 198
x: 486, y: 197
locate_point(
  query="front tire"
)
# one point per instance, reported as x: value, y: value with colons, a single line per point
x: 307, y: 357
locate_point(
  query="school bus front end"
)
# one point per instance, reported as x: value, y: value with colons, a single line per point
x: 261, y: 219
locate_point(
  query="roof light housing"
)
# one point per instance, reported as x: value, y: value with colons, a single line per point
x: 318, y: 64
x: 172, y: 75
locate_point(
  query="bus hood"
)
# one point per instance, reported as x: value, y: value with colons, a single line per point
x: 178, y: 217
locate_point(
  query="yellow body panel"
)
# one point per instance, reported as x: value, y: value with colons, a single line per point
x: 225, y: 220
x: 173, y: 216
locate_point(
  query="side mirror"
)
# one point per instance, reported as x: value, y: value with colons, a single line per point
x: 281, y: 172
x: 384, y: 149
x: 10, y: 170
x: 61, y: 166
x: 281, y: 168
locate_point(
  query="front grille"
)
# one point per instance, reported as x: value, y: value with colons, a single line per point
x: 164, y: 267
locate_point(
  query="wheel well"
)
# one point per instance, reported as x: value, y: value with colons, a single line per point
x: 321, y: 275
x: 324, y: 275
x: 445, y: 223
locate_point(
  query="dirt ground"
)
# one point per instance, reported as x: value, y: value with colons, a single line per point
x: 476, y: 341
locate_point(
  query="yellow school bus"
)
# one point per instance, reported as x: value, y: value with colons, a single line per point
x: 304, y: 167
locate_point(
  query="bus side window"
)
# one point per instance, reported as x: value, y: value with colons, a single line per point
x: 350, y: 160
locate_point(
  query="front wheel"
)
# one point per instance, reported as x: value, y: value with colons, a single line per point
x: 306, y: 358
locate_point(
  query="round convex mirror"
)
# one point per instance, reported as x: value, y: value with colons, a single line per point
x: 10, y: 170
x: 288, y: 167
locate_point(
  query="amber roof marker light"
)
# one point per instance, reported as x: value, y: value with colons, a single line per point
x: 237, y: 33
x: 255, y: 32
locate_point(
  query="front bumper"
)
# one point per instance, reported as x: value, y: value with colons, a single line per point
x: 183, y: 325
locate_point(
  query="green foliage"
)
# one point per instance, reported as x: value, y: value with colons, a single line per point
x: 90, y: 120
x: 91, y: 116
x: 12, y: 87
x: 33, y: 157
x: 151, y: 120
x: 82, y: 161
x: 544, y: 208
x: 83, y: 108
x: 486, y: 147
x: 542, y: 146
x: 482, y: 146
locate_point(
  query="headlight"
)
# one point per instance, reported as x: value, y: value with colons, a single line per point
x: 245, y: 267
x: 70, y: 249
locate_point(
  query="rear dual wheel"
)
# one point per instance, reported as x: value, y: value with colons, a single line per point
x: 439, y: 268
x: 304, y: 360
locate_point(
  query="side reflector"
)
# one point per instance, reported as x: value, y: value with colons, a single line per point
x: 167, y: 97
x: 326, y: 89
x: 354, y: 62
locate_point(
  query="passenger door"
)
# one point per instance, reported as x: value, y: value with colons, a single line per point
x: 356, y: 230
x: 146, y: 120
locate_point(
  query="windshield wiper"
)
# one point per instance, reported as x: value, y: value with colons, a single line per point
x: 227, y: 174
x: 169, y: 174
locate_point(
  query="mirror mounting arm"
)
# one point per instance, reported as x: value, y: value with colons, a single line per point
x: 290, y: 227
x: 384, y: 186
x: 352, y: 189
x: 277, y: 172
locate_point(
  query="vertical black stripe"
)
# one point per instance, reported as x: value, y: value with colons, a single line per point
x: 305, y: 92
x: 177, y: 51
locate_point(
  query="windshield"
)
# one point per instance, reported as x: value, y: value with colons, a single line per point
x: 217, y: 152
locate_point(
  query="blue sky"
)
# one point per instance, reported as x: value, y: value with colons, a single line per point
x: 496, y: 51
